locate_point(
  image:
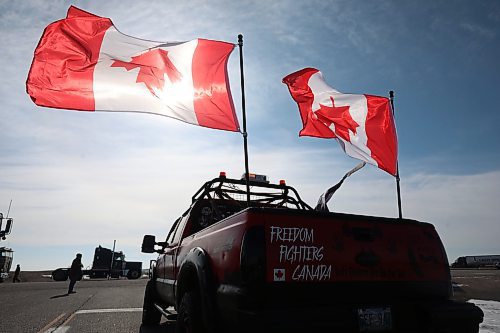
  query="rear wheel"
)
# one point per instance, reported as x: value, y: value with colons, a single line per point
x: 60, y: 274
x: 132, y: 275
x: 189, y: 314
x: 150, y: 314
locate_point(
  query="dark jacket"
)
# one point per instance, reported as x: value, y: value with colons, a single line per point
x: 75, y: 272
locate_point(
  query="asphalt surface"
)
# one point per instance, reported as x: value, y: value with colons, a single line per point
x: 116, y: 305
x: 97, y: 306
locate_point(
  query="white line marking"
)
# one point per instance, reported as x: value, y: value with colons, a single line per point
x: 48, y: 327
x: 64, y: 328
x: 109, y: 310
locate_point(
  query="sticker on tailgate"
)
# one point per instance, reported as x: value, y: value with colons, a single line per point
x: 295, y: 256
x: 279, y: 274
x: 335, y: 249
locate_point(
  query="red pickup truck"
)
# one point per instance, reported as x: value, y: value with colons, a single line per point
x: 276, y: 264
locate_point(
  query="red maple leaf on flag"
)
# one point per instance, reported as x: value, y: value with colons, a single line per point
x: 340, y: 117
x: 153, y: 64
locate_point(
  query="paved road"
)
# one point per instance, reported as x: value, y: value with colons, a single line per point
x: 116, y: 305
x: 98, y: 306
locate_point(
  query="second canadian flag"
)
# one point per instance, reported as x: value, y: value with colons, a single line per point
x: 362, y: 124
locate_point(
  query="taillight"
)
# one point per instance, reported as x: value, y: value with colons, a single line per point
x: 253, y: 256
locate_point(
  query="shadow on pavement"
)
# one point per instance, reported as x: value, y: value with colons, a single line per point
x: 165, y: 327
x: 59, y: 296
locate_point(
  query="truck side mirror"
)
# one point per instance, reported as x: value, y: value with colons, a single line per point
x: 8, y: 226
x: 148, y: 244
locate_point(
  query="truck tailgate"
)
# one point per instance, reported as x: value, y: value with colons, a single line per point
x: 313, y: 247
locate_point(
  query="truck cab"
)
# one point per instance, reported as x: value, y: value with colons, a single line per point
x: 5, y: 226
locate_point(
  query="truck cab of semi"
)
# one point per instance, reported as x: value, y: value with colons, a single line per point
x: 6, y: 256
x: 5, y: 226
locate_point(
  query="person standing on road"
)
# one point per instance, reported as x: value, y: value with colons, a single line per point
x: 75, y: 272
x: 16, y: 274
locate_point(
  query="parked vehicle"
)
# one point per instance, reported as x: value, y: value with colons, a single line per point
x: 6, y: 254
x: 6, y: 257
x: 102, y: 267
x: 477, y: 261
x: 6, y: 228
x: 280, y: 265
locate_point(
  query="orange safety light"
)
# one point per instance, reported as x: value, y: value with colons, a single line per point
x: 282, y: 182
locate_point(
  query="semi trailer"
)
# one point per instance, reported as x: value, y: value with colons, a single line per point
x: 477, y: 261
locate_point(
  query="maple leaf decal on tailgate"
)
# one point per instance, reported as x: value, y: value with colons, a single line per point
x: 153, y: 64
x: 340, y: 117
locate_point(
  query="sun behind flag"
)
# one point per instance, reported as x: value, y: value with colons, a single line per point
x: 84, y: 63
x: 362, y: 124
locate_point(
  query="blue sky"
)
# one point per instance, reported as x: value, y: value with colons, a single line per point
x: 79, y: 179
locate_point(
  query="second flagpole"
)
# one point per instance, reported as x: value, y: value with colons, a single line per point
x: 245, y: 135
x: 391, y: 96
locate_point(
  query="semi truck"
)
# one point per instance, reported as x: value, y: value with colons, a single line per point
x: 5, y: 228
x: 6, y: 256
x: 264, y: 260
x: 106, y: 263
x: 477, y: 261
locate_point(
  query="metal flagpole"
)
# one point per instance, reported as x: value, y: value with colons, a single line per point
x: 8, y: 211
x: 112, y: 259
x: 391, y: 95
x: 245, y: 135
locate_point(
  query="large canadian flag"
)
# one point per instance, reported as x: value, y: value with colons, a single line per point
x: 362, y: 124
x: 83, y: 62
